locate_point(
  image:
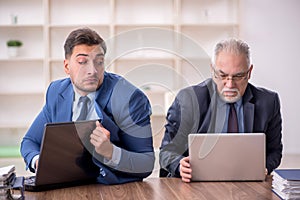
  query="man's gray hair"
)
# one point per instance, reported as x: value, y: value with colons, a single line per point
x: 232, y: 45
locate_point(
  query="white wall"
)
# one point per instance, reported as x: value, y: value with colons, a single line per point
x: 272, y: 29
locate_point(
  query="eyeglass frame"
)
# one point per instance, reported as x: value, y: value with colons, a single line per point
x: 236, y: 77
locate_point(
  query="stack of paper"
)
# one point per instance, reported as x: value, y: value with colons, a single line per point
x: 286, y: 183
x: 7, y: 178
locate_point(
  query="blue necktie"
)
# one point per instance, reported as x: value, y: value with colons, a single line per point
x: 84, y: 109
x: 232, y: 120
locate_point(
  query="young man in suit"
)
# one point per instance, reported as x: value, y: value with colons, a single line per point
x: 204, y: 108
x: 122, y: 139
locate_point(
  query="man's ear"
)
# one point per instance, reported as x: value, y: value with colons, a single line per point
x: 250, y: 71
x: 211, y: 69
x: 67, y: 66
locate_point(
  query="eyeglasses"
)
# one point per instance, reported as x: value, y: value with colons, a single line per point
x: 236, y: 77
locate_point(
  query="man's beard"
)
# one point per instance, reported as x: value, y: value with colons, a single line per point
x: 230, y: 99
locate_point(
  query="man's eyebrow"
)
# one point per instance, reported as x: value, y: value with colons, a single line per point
x: 221, y: 71
x: 100, y: 54
x: 81, y: 54
x: 239, y: 73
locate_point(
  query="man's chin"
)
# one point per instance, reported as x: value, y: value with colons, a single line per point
x: 89, y: 88
x: 231, y: 99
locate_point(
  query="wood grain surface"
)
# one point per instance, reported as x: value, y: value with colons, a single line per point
x: 163, y: 188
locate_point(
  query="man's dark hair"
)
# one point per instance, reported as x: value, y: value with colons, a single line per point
x: 80, y: 36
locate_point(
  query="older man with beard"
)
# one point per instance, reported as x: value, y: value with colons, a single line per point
x: 206, y: 108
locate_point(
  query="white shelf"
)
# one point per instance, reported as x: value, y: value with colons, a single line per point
x: 79, y: 12
x: 21, y: 25
x: 74, y: 26
x: 21, y: 77
x: 161, y: 45
x: 57, y: 70
x: 206, y: 37
x: 20, y: 59
x: 31, y: 37
x: 209, y: 11
x: 28, y: 12
x: 19, y: 109
x: 157, y: 101
x: 209, y: 25
x: 196, y: 71
x: 144, y: 12
x: 129, y: 26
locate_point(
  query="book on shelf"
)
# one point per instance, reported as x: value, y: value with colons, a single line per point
x: 286, y: 183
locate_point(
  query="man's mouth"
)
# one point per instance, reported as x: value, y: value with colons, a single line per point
x: 230, y: 93
x: 91, y: 80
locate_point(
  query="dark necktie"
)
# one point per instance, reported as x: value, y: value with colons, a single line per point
x: 84, y: 109
x: 232, y: 120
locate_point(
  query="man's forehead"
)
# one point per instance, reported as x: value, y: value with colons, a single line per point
x: 231, y: 54
x: 233, y: 58
x: 90, y: 51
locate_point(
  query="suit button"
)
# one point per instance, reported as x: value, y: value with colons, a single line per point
x: 102, y: 172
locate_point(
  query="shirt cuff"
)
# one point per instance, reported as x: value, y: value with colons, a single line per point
x: 34, y: 159
x: 116, y: 157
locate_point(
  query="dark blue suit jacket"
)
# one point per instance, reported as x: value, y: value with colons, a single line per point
x: 122, y: 109
x: 193, y: 111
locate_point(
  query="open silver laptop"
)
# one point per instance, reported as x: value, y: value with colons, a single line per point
x: 65, y: 158
x: 227, y: 156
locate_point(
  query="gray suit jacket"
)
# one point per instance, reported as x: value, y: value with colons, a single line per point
x: 194, y: 111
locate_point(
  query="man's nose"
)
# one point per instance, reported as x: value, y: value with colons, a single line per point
x: 229, y: 82
x: 92, y: 68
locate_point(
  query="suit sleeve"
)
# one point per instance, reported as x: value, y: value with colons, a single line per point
x: 273, y: 138
x: 182, y: 119
x: 128, y: 121
x: 138, y: 154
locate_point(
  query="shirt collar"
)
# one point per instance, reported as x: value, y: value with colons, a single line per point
x: 91, y: 95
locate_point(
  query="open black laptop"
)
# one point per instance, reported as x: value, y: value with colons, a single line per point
x: 65, y: 159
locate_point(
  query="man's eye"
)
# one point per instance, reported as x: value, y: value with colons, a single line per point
x: 99, y: 62
x: 239, y: 75
x: 82, y: 62
x: 223, y: 75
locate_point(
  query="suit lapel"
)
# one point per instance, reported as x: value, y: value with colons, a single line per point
x: 103, y: 97
x: 248, y: 110
x: 209, y: 123
x: 65, y: 104
x: 104, y: 92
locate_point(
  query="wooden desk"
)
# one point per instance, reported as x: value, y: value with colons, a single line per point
x: 163, y: 188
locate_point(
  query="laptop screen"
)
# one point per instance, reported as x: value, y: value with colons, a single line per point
x: 227, y: 156
x: 64, y: 156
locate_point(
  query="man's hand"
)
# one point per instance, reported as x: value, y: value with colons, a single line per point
x: 100, y: 138
x: 185, y: 169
